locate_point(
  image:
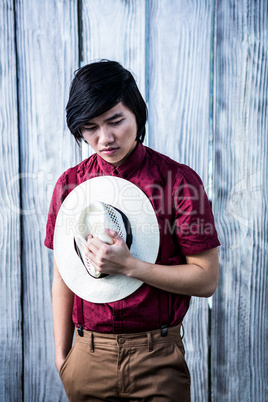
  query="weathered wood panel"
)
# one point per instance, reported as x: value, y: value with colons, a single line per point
x: 179, y: 87
x: 47, y: 56
x: 239, y: 321
x: 115, y: 30
x: 11, y: 353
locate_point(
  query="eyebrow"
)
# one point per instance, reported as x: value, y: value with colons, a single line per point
x: 114, y: 116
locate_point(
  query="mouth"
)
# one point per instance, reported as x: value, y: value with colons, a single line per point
x: 109, y: 151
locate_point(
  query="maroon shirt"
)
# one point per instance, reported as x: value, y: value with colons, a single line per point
x: 187, y: 220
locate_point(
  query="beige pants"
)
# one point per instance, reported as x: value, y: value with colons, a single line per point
x: 129, y: 367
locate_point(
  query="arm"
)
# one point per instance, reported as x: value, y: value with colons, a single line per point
x: 199, y: 277
x: 62, y: 303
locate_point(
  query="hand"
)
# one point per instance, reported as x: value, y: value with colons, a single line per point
x: 109, y: 259
x: 59, y: 362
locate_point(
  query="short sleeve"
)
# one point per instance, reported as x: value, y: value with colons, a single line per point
x: 59, y: 193
x: 194, y: 222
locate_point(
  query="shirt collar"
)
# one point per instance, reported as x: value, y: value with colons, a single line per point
x: 128, y: 167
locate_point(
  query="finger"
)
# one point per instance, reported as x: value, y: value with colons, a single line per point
x: 91, y: 258
x: 95, y: 257
x: 112, y: 233
x: 89, y: 237
x: 94, y: 241
x: 91, y: 250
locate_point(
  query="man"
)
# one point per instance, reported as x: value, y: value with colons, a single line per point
x: 106, y: 110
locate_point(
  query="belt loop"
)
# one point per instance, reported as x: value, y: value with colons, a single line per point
x: 150, y: 341
x: 91, y: 342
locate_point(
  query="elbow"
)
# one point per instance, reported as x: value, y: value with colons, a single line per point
x: 211, y: 287
x: 210, y: 291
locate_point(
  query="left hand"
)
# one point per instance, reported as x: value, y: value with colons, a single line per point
x: 109, y: 259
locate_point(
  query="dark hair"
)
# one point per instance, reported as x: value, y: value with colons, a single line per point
x: 98, y: 87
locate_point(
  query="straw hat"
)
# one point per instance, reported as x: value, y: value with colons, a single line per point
x: 98, y: 203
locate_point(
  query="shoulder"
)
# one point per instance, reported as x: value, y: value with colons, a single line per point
x: 186, y: 174
x: 79, y: 170
x: 179, y: 172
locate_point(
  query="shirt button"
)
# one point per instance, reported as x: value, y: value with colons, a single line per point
x: 121, y: 341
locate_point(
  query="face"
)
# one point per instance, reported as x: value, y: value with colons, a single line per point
x: 112, y: 135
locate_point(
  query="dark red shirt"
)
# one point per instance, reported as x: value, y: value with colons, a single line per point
x: 187, y: 220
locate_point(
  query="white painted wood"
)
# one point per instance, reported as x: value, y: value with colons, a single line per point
x: 11, y: 353
x: 115, y: 30
x: 179, y: 85
x: 239, y: 334
x: 47, y: 56
x: 179, y: 80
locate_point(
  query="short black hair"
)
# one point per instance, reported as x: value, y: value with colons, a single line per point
x: 97, y: 88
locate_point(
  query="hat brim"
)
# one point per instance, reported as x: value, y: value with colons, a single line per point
x: 125, y: 196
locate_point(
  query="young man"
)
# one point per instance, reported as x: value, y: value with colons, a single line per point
x: 106, y: 110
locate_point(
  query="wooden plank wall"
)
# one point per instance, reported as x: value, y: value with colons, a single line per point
x: 178, y: 100
x: 167, y: 44
x: 115, y: 30
x: 240, y: 185
x: 47, y: 55
x: 11, y: 352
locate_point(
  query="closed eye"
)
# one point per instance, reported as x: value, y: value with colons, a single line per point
x: 116, y: 123
x: 91, y: 128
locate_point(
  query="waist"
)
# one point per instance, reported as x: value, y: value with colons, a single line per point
x: 130, y: 339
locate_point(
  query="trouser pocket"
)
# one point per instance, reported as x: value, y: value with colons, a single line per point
x: 181, y: 353
x: 65, y: 363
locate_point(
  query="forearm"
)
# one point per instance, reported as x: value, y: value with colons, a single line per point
x: 199, y: 277
x: 62, y: 302
x: 187, y: 279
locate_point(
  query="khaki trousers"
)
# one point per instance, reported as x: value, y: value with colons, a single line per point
x: 128, y: 367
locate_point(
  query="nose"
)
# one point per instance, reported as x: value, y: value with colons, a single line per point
x: 106, y: 135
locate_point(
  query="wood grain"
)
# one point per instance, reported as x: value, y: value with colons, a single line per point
x: 179, y: 85
x: 239, y: 320
x: 115, y: 30
x: 11, y: 353
x: 47, y: 56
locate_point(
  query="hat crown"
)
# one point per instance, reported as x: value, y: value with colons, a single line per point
x: 98, y: 216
